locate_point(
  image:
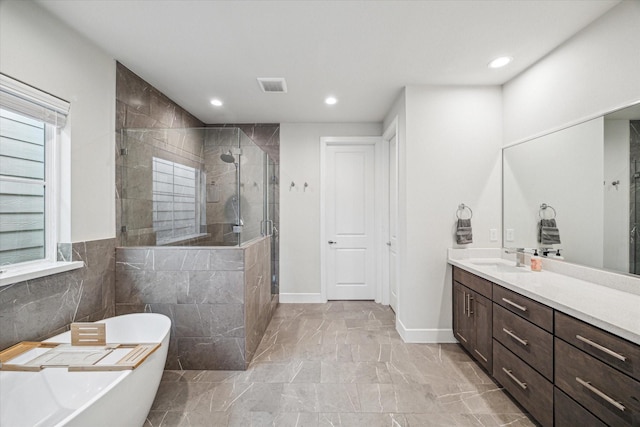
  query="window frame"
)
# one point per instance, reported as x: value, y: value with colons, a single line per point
x: 23, y: 99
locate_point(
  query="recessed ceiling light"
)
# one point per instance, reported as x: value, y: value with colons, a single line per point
x: 500, y: 62
x: 216, y: 102
x: 330, y: 100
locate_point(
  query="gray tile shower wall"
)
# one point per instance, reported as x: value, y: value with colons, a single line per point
x: 257, y: 294
x: 38, y: 309
x: 218, y: 299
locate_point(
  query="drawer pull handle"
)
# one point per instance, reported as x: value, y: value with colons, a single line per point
x: 480, y: 354
x: 515, y: 337
x: 517, y: 381
x: 463, y: 338
x: 601, y: 348
x: 518, y: 306
x: 594, y: 390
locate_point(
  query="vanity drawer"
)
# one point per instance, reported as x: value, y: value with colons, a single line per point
x: 529, y: 309
x: 526, y: 385
x: 568, y: 413
x: 473, y: 282
x: 615, y: 351
x: 610, y: 395
x: 529, y: 342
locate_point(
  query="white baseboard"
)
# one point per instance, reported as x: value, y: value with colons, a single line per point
x: 301, y: 298
x: 424, y: 336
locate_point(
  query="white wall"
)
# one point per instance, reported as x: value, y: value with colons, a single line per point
x: 452, y: 155
x: 39, y: 50
x: 564, y: 170
x: 594, y: 72
x: 616, y: 198
x: 300, y: 210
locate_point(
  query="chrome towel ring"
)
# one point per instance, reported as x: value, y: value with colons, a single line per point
x: 461, y: 208
x: 543, y: 208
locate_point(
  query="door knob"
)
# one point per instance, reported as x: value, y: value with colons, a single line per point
x: 331, y: 242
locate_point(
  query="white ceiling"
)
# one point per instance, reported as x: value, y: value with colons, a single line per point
x: 362, y: 52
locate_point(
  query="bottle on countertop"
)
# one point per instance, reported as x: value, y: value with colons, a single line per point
x: 536, y: 261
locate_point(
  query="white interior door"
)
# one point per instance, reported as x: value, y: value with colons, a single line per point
x: 350, y: 221
x: 393, y: 223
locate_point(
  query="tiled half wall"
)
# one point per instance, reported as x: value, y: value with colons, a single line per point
x: 37, y: 309
x: 219, y: 299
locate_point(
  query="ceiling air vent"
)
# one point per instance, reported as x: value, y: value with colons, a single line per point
x: 272, y: 84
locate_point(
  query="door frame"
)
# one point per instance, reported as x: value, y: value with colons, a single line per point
x: 389, y: 133
x: 379, y: 236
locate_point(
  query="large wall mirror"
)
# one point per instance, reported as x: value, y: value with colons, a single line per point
x: 582, y: 185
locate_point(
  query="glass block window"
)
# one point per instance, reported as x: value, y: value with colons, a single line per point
x: 175, y: 201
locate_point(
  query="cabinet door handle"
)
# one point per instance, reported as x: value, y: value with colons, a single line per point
x: 597, y: 392
x: 513, y: 304
x: 601, y: 348
x: 470, y: 311
x: 464, y: 304
x: 467, y: 303
x: 463, y: 338
x: 513, y: 377
x: 515, y: 337
x: 480, y: 354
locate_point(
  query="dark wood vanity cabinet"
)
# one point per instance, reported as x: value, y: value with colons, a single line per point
x: 563, y: 371
x: 472, y: 316
x: 598, y: 370
x: 523, y: 351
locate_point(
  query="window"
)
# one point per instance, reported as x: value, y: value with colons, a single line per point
x: 31, y: 124
x: 175, y: 201
x: 22, y: 188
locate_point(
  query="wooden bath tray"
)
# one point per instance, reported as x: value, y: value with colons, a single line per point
x: 75, y: 357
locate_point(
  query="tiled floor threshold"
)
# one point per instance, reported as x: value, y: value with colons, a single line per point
x: 338, y: 364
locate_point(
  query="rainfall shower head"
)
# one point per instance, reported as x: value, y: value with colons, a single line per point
x: 228, y: 157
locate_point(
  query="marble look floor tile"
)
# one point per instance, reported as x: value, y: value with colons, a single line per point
x: 281, y: 419
x: 163, y: 419
x: 354, y: 372
x: 361, y: 420
x: 338, y: 398
x: 490, y: 399
x: 338, y: 364
x: 378, y: 398
x: 299, y: 398
x: 199, y: 419
x: 297, y: 371
x: 371, y: 352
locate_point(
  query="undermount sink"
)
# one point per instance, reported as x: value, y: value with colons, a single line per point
x: 499, y: 265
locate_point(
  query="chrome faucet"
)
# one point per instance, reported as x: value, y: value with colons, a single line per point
x: 519, y: 255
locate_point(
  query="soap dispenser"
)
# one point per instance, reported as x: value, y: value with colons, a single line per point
x: 536, y: 261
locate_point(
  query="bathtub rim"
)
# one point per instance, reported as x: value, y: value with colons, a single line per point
x: 66, y: 336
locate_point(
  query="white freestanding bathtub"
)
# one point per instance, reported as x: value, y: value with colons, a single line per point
x: 56, y: 397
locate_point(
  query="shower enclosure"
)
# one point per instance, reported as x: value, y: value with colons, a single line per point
x: 193, y: 187
x: 196, y: 240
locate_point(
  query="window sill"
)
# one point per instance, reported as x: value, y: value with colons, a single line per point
x: 35, y: 271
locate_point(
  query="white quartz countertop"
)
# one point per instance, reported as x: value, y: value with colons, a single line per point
x: 608, y: 308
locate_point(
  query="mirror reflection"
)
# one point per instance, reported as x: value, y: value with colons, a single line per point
x: 573, y: 193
